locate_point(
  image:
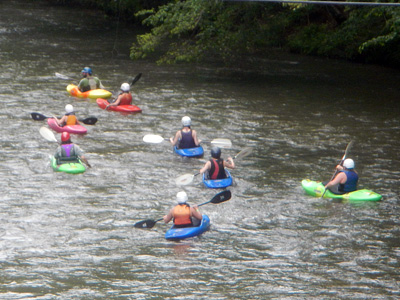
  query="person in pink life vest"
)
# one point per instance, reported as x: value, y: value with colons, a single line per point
x: 216, y: 165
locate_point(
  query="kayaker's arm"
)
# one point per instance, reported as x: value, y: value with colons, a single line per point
x: 176, y: 138
x: 340, y: 178
x: 196, y: 213
x: 195, y: 139
x: 229, y: 163
x: 115, y: 103
x: 83, y: 158
x: 168, y: 217
x: 206, y: 167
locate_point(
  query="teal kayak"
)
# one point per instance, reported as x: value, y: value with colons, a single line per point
x: 218, y: 183
x: 187, y: 232
x: 70, y: 168
x: 316, y: 189
x: 190, y: 152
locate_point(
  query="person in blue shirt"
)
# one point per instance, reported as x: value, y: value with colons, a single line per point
x: 346, y: 180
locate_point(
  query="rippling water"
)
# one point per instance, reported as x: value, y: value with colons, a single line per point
x: 72, y: 237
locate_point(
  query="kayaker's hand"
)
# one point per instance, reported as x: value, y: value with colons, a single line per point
x: 339, y: 168
x: 107, y: 106
x: 171, y: 140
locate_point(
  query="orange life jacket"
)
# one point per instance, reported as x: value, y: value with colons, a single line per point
x: 181, y: 214
x: 71, y: 120
x: 126, y: 99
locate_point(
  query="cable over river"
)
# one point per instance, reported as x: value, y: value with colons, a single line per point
x: 69, y: 236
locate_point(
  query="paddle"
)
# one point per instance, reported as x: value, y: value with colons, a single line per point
x: 340, y: 164
x: 218, y: 198
x: 63, y: 76
x: 40, y: 117
x: 186, y: 179
x: 137, y: 77
x: 156, y: 139
x: 49, y: 135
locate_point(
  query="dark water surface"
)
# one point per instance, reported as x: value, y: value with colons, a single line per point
x: 72, y: 237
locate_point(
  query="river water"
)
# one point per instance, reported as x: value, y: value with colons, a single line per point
x: 72, y: 236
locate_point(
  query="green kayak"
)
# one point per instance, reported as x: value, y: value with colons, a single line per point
x: 71, y: 168
x: 316, y: 189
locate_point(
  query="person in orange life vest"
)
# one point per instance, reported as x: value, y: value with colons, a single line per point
x: 124, y: 97
x: 182, y: 214
x: 216, y: 165
x: 346, y: 180
x: 69, y: 152
x: 69, y: 118
x: 186, y: 137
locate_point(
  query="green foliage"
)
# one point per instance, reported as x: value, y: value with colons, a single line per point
x: 191, y: 30
x: 367, y: 34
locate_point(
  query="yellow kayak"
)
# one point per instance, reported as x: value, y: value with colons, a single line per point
x: 73, y: 90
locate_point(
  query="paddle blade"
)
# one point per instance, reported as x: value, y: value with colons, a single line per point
x: 349, y: 145
x: 153, y: 139
x: 221, y: 197
x: 137, y: 77
x: 245, y: 152
x: 222, y: 143
x: 62, y: 76
x: 145, y: 224
x: 89, y: 120
x: 38, y: 117
x: 47, y: 134
x: 184, y: 179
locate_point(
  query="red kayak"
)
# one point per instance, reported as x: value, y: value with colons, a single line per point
x: 77, y: 129
x: 102, y: 103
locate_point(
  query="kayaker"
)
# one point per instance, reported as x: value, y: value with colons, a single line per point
x: 182, y: 214
x: 216, y: 165
x: 69, y: 152
x: 346, y: 180
x: 89, y: 82
x: 124, y: 97
x: 69, y: 118
x: 186, y: 137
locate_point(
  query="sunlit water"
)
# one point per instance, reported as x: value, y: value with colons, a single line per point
x: 72, y: 237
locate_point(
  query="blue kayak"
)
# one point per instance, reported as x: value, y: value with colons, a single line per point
x: 190, y: 152
x: 218, y: 183
x: 187, y: 232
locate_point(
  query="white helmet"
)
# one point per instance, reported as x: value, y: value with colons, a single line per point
x: 125, y: 87
x: 181, y: 197
x: 186, y: 121
x: 69, y: 108
x: 348, y: 163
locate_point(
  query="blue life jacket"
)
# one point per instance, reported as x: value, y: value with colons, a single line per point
x: 351, y: 183
x: 187, y: 140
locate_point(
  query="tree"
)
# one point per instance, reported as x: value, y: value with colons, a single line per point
x: 190, y: 30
